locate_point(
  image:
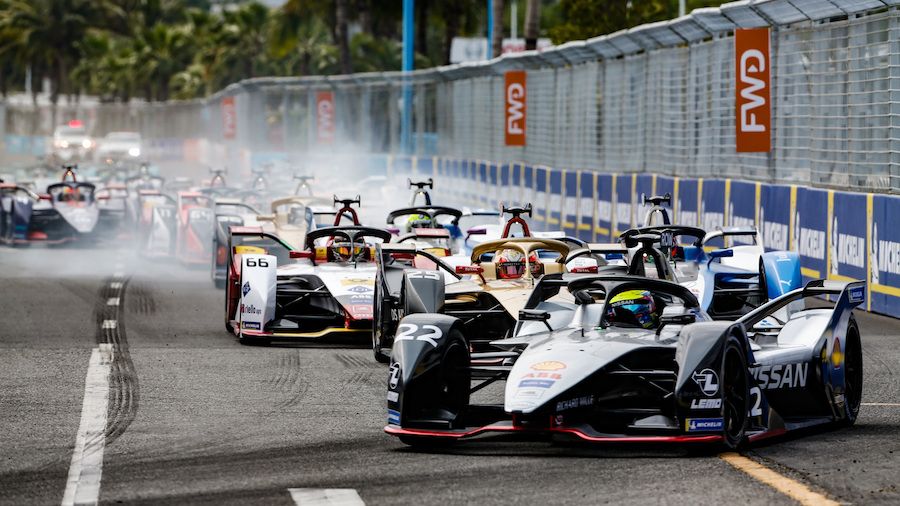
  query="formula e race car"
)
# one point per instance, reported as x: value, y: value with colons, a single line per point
x: 727, y: 268
x: 324, y: 290
x: 631, y: 359
x: 420, y: 188
x: 67, y: 212
x: 293, y: 216
x: 487, y: 294
x: 432, y: 227
x: 228, y: 213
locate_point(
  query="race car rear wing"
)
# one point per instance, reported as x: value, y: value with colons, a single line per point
x: 850, y: 295
x: 729, y: 232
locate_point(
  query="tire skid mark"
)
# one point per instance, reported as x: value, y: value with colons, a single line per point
x: 287, y: 380
x: 353, y: 361
x: 124, y: 390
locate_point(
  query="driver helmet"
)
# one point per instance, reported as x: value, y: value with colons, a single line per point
x: 511, y: 264
x: 417, y: 221
x: 68, y: 194
x: 634, y: 308
x: 344, y: 250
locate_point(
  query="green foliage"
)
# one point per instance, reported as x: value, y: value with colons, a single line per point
x: 583, y: 19
x: 165, y: 49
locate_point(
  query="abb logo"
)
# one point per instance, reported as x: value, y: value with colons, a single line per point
x: 515, y: 107
x: 325, y: 117
x: 229, y: 118
x: 752, y: 104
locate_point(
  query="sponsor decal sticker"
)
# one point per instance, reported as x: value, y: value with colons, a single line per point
x: 535, y: 383
x: 250, y: 310
x: 516, y: 107
x: 358, y: 281
x: 394, y: 416
x: 393, y: 396
x: 394, y: 375
x: 250, y: 325
x: 246, y: 288
x: 359, y: 289
x: 857, y: 294
x: 837, y: 354
x: 706, y: 403
x: 707, y: 380
x: 530, y: 393
x: 770, y: 377
x: 578, y: 402
x: 550, y: 365
x: 703, y: 424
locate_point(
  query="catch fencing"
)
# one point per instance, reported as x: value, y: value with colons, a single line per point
x: 656, y: 99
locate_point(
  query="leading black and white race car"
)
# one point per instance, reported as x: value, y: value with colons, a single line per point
x: 683, y: 378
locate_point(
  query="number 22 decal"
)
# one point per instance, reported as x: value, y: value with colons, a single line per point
x: 406, y: 332
x: 756, y: 395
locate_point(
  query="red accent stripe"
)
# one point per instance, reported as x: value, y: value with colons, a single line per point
x: 400, y: 431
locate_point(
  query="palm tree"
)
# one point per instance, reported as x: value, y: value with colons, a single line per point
x: 45, y: 33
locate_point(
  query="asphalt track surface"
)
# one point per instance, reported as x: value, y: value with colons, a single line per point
x: 196, y: 418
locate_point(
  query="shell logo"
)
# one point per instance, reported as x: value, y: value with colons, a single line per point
x: 837, y: 356
x: 550, y: 365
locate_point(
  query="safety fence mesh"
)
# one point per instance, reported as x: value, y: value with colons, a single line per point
x: 655, y: 99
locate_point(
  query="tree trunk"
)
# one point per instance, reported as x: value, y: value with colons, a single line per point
x: 453, y: 13
x: 532, y: 23
x: 497, y: 31
x: 421, y: 44
x: 341, y: 31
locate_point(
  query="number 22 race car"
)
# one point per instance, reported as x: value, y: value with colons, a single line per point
x: 640, y: 361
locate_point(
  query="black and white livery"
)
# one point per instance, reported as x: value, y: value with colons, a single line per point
x: 618, y: 358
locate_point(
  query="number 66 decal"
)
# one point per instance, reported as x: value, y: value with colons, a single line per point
x: 407, y: 331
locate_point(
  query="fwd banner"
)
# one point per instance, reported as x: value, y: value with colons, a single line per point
x: 514, y: 90
x: 325, y: 117
x: 229, y: 118
x: 752, y: 98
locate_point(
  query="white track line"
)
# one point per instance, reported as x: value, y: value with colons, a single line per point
x: 112, y: 301
x: 83, y: 485
x: 110, y: 324
x: 891, y: 404
x: 325, y: 497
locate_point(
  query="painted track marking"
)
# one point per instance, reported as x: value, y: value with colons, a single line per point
x: 890, y: 404
x: 112, y: 301
x: 787, y: 486
x: 83, y: 484
x: 326, y: 497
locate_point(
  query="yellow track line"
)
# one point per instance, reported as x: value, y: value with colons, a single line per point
x: 791, y: 488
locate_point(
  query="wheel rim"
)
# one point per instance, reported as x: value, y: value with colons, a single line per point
x: 735, y: 389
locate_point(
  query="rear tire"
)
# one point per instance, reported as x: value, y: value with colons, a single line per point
x: 853, y: 373
x: 735, y: 388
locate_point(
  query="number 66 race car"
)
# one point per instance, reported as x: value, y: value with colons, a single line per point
x: 640, y: 361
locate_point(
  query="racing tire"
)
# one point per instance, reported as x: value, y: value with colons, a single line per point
x: 220, y: 283
x: 763, y: 283
x: 735, y: 388
x: 853, y: 373
x: 378, y: 329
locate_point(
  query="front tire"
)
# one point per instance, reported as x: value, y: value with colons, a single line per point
x: 735, y: 393
x: 378, y: 328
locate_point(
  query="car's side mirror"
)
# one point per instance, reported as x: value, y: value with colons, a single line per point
x: 476, y: 231
x: 301, y: 254
x: 469, y: 269
x: 675, y: 319
x: 535, y: 315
